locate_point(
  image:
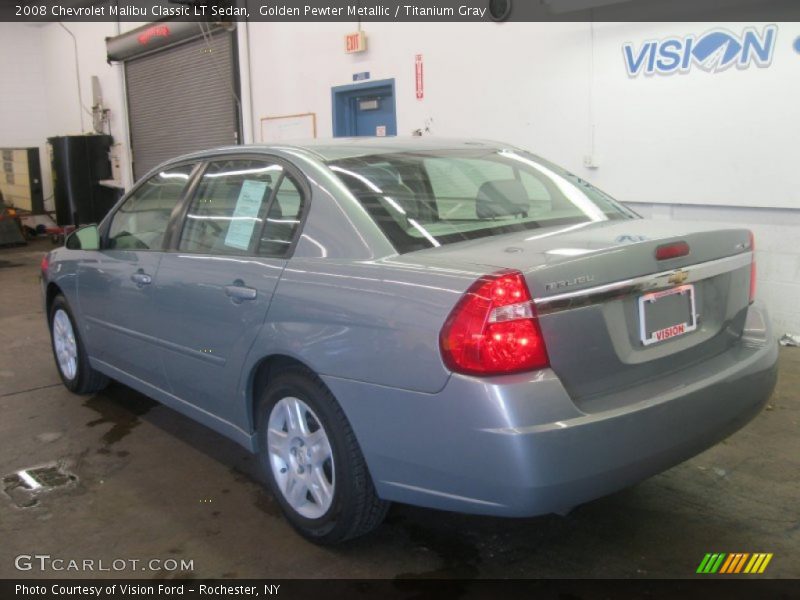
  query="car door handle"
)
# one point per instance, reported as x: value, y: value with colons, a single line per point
x: 239, y: 292
x: 141, y: 278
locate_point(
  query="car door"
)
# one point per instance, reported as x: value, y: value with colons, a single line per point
x: 115, y: 290
x: 213, y: 290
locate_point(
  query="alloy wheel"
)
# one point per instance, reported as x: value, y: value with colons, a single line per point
x: 301, y: 457
x: 65, y: 345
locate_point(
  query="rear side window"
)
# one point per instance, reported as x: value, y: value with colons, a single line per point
x: 429, y: 198
x: 141, y: 221
x: 243, y: 207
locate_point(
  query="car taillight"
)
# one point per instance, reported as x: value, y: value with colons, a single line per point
x: 675, y: 250
x: 752, y: 268
x: 493, y: 329
x: 45, y: 264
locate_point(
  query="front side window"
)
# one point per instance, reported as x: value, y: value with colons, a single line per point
x: 243, y: 207
x: 430, y: 198
x: 141, y: 221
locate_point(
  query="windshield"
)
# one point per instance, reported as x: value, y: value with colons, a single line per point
x: 426, y: 199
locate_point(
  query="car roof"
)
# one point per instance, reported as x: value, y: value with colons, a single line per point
x: 339, y: 148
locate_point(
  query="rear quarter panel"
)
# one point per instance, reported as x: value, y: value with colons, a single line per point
x: 371, y: 321
x: 348, y: 306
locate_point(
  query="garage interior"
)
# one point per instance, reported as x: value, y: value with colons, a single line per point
x: 132, y: 478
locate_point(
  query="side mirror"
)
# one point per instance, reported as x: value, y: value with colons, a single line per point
x: 84, y: 238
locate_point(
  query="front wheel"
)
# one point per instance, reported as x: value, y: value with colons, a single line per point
x: 312, y: 461
x: 71, y: 358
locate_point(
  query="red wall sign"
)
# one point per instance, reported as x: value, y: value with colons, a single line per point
x: 419, y: 77
x: 151, y: 32
x: 355, y: 42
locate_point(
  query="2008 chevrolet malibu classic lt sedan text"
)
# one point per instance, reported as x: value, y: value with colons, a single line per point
x: 453, y: 324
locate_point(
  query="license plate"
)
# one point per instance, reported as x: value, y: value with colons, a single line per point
x: 667, y: 314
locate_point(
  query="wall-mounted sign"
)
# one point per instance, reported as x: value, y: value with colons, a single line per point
x: 713, y: 51
x: 363, y: 76
x: 153, y: 36
x: 419, y: 77
x: 380, y: 131
x: 355, y: 42
x: 152, y: 32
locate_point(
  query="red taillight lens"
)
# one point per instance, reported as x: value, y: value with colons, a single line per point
x: 493, y: 329
x: 752, y: 268
x: 676, y: 250
x: 45, y: 264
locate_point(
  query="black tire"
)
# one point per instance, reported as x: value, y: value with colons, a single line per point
x: 355, y: 509
x: 86, y: 380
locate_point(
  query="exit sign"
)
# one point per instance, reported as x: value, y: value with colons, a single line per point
x: 355, y: 42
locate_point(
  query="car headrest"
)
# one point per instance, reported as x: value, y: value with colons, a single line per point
x: 502, y: 198
x: 380, y: 176
x: 503, y: 190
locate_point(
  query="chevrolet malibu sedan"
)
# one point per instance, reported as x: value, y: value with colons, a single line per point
x: 459, y: 325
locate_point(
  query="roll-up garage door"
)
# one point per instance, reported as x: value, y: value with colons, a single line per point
x: 181, y: 99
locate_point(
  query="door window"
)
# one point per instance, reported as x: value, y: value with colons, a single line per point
x: 237, y: 210
x: 141, y: 221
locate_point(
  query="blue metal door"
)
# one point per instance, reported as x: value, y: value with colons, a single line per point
x: 366, y: 109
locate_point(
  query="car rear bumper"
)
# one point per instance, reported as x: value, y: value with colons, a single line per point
x: 519, y: 446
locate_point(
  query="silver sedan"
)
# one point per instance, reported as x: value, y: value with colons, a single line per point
x: 460, y: 325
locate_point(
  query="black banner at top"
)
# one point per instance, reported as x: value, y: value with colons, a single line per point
x: 32, y: 11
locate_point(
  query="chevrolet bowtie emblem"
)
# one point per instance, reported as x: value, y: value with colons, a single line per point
x: 678, y: 277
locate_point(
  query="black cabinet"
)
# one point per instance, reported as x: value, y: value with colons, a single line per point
x: 80, y: 162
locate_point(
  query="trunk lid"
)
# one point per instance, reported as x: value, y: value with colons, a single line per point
x: 587, y: 281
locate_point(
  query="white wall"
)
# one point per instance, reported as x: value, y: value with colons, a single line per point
x: 696, y: 138
x: 726, y: 138
x: 498, y: 82
x: 23, y: 98
x: 683, y: 147
x: 63, y: 108
x: 40, y: 88
x: 697, y: 146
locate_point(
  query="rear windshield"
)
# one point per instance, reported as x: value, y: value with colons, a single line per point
x: 426, y: 199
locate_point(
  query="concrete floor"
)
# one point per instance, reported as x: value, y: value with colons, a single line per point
x: 153, y: 484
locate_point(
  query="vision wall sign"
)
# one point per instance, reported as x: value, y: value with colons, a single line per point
x: 713, y: 51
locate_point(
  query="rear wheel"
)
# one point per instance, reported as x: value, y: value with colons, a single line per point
x: 71, y: 358
x: 312, y: 461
